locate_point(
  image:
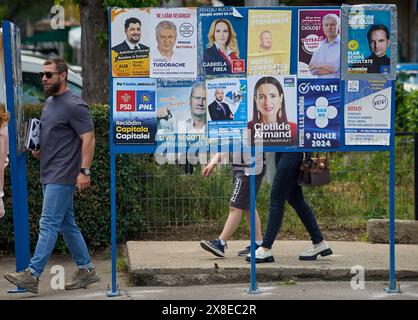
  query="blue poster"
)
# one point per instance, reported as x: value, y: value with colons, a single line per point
x: 319, y: 104
x: 371, y: 42
x: 181, y: 112
x: 227, y: 107
x: 367, y: 112
x: 223, y: 40
x: 134, y: 113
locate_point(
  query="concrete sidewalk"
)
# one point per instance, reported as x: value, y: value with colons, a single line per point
x: 180, y: 263
x: 154, y: 266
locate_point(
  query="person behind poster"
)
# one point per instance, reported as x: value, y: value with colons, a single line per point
x: 222, y: 47
x: 219, y: 110
x: 269, y: 121
x: 325, y: 62
x: 166, y: 35
x: 196, y: 123
x: 4, y: 152
x: 379, y: 42
x: 133, y: 36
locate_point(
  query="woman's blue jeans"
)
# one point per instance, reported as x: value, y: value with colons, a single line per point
x: 58, y: 216
x: 285, y: 187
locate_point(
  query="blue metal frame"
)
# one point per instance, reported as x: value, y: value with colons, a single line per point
x: 138, y: 149
x: 18, y: 166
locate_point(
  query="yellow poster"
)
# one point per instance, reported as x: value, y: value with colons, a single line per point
x: 130, y: 42
x: 269, y: 35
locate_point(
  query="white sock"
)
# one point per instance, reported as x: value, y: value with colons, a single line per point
x: 259, y: 242
x: 222, y: 242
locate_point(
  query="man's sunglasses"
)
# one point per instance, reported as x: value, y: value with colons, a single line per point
x: 47, y: 74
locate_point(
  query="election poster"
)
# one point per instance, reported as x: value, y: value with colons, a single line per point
x: 319, y: 44
x: 181, y: 112
x: 130, y: 42
x: 134, y: 114
x: 367, y: 112
x: 223, y: 40
x: 319, y: 103
x: 269, y: 35
x: 370, y: 41
x: 272, y: 110
x: 174, y: 43
x: 226, y: 107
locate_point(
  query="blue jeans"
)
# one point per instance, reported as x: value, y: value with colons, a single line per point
x: 285, y: 187
x: 58, y: 216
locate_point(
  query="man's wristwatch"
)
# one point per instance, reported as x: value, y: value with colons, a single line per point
x: 85, y: 171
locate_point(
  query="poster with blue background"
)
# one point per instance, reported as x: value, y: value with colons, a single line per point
x: 370, y: 41
x: 223, y: 40
x: 134, y: 115
x: 227, y: 107
x: 181, y: 112
x: 319, y: 104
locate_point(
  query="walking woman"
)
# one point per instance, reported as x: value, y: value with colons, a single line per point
x: 269, y: 107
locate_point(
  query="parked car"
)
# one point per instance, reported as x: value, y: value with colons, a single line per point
x: 407, y: 74
x: 32, y: 83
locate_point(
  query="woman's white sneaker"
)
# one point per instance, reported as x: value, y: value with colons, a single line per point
x: 322, y: 249
x: 261, y: 256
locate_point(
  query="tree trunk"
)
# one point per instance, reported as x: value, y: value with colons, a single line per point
x: 94, y: 54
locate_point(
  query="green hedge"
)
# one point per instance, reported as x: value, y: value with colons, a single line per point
x: 134, y: 214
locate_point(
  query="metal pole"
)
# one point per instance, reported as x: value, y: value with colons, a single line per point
x: 114, y: 292
x: 392, y: 269
x: 253, y: 289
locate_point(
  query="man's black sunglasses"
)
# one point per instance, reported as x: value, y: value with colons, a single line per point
x: 48, y: 74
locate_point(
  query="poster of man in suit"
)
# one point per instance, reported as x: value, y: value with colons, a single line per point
x: 130, y: 42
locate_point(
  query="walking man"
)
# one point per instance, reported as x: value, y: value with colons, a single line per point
x: 66, y: 152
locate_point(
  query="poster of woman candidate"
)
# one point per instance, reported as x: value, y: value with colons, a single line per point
x: 319, y: 102
x: 319, y: 44
x: 226, y: 107
x: 370, y: 41
x: 181, y: 112
x: 367, y: 112
x: 130, y: 42
x: 269, y: 42
x: 134, y: 115
x: 223, y: 40
x: 174, y: 43
x: 272, y: 110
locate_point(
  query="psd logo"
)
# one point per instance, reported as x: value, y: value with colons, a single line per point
x: 238, y: 66
x: 125, y: 100
x: 145, y: 100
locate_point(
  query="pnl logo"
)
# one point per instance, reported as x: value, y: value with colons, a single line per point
x: 145, y: 100
x: 125, y: 100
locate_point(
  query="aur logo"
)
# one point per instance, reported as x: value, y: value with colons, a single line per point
x: 145, y: 100
x: 125, y: 100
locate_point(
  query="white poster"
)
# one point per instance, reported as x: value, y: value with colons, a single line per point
x: 174, y: 43
x: 367, y: 112
x: 272, y: 110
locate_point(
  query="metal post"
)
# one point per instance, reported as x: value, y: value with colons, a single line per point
x: 393, y: 288
x: 392, y: 271
x: 17, y: 163
x: 253, y: 289
x: 114, y: 292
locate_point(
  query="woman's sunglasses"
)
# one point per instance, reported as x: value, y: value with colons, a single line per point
x: 47, y: 74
